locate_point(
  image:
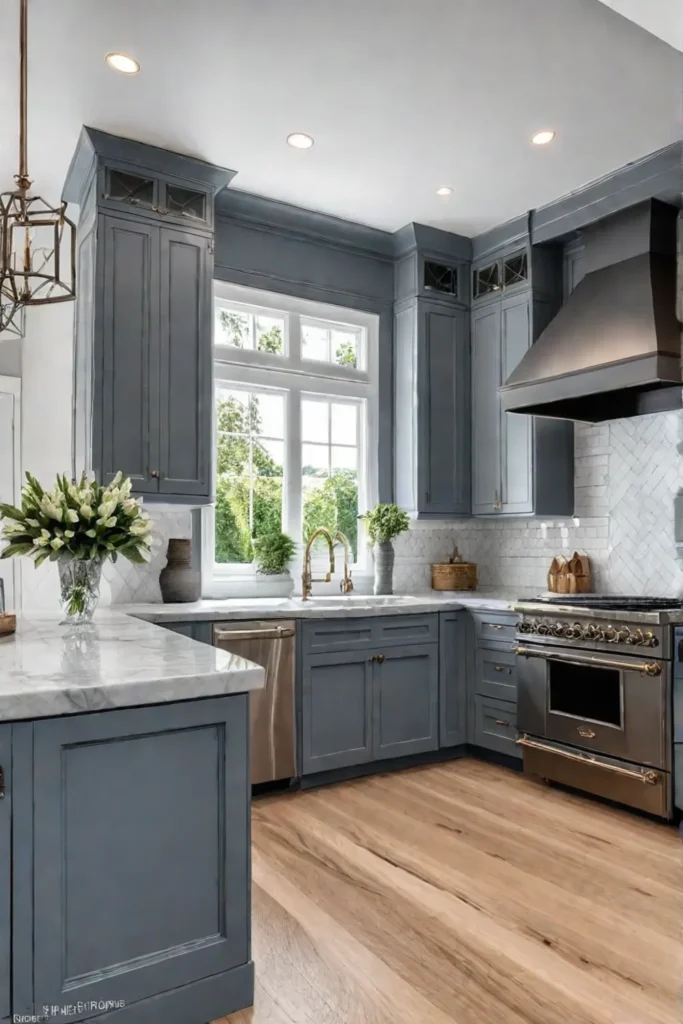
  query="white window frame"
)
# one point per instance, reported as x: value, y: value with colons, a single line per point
x: 292, y: 375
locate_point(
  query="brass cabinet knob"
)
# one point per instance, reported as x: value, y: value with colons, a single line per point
x: 154, y: 474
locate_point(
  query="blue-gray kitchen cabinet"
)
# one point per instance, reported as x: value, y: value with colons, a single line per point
x: 453, y: 646
x: 432, y: 387
x: 405, y: 684
x: 152, y: 400
x: 143, y: 339
x: 486, y: 377
x: 336, y: 710
x: 521, y: 465
x: 112, y: 793
x: 126, y: 370
x: 5, y: 871
x: 185, y: 364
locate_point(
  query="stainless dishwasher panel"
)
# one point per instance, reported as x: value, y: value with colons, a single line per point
x: 271, y: 645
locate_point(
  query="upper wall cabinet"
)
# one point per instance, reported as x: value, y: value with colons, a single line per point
x: 432, y: 453
x: 432, y: 372
x: 521, y: 465
x: 501, y: 275
x: 121, y: 189
x: 143, y: 344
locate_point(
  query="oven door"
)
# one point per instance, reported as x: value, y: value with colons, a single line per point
x: 613, y: 705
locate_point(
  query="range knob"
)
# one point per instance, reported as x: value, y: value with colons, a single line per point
x: 608, y: 634
x: 623, y: 635
x: 543, y: 629
x: 636, y: 638
x: 526, y: 626
x: 574, y: 632
x: 591, y: 632
x: 558, y: 628
x: 650, y: 640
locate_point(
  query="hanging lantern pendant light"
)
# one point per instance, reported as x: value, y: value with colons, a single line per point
x: 37, y: 240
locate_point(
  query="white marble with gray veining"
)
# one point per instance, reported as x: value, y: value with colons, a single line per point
x: 119, y: 661
x: 353, y: 606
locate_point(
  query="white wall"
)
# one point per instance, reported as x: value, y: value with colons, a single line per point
x: 10, y: 356
x: 47, y: 354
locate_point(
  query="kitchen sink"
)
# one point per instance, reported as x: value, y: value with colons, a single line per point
x: 358, y: 600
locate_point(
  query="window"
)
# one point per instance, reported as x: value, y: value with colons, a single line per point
x: 295, y: 393
x: 249, y: 469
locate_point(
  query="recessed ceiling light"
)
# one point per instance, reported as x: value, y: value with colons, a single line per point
x: 120, y: 62
x: 444, y: 191
x: 299, y: 141
x: 542, y: 138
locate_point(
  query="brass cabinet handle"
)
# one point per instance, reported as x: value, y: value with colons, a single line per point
x: 499, y: 668
x: 500, y: 721
x: 154, y: 474
x: 379, y: 658
x: 651, y: 778
x: 588, y: 734
x: 494, y: 625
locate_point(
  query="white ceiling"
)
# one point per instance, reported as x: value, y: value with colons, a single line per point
x: 664, y: 18
x: 402, y: 96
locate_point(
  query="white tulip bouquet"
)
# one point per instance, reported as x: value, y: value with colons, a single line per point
x: 79, y: 526
x: 82, y: 521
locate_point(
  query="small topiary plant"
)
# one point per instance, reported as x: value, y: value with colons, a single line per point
x: 272, y: 552
x: 384, y: 522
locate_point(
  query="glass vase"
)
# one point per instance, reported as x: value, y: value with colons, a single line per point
x: 79, y: 583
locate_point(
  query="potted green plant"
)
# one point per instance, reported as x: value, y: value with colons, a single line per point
x: 272, y: 552
x: 78, y: 525
x: 383, y: 523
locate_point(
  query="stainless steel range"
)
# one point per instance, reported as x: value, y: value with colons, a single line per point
x: 594, y: 695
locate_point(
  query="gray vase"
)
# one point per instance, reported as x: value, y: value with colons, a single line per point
x: 178, y: 580
x: 384, y: 567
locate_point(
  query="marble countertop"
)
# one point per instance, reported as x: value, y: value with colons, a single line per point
x: 118, y: 662
x: 340, y: 607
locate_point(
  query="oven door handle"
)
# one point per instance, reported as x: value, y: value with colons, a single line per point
x: 646, y: 668
x: 649, y: 777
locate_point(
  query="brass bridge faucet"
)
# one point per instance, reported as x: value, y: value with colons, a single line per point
x: 307, y: 581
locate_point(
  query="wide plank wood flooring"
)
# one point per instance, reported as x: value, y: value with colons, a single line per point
x: 462, y: 893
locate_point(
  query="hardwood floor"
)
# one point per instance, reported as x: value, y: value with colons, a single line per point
x: 462, y: 894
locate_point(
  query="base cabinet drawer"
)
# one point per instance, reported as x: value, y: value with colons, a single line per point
x: 499, y: 627
x: 495, y: 725
x: 496, y: 675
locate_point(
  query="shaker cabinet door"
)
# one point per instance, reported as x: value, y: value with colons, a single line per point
x: 126, y: 393
x: 486, y: 378
x: 185, y: 355
x: 406, y: 701
x: 5, y: 869
x: 336, y: 727
x: 444, y: 410
x: 141, y: 865
x: 516, y: 428
x: 453, y: 643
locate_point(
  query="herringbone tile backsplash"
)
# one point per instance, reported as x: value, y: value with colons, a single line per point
x: 628, y: 519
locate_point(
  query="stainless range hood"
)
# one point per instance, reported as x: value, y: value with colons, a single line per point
x: 614, y: 348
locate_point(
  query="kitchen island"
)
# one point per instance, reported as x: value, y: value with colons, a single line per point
x: 124, y: 824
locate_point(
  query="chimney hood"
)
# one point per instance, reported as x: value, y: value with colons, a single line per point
x: 614, y: 347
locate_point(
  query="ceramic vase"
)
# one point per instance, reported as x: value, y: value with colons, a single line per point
x: 384, y: 567
x: 179, y: 582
